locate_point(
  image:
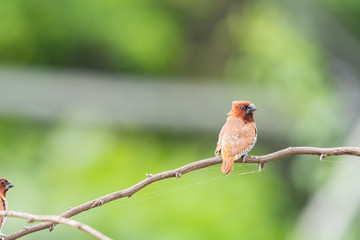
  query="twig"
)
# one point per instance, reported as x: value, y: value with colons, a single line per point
x: 355, y: 151
x: 56, y: 219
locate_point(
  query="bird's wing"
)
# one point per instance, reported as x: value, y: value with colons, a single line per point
x: 243, y: 138
x: 218, y: 146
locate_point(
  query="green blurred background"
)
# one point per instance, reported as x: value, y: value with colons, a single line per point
x: 94, y: 94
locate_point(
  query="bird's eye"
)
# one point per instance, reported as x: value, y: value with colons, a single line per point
x: 2, y: 182
x: 243, y: 107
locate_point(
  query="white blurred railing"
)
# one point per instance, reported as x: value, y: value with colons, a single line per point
x: 183, y: 105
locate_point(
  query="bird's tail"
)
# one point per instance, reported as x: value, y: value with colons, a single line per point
x: 227, y: 166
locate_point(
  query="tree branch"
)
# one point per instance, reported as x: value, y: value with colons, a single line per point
x: 128, y: 192
x: 56, y: 219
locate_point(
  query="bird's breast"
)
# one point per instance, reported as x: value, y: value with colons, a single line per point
x: 3, y: 206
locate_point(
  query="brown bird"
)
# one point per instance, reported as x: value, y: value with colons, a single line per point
x: 5, y: 185
x: 238, y: 135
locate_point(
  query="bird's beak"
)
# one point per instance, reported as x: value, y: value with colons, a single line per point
x: 9, y: 185
x: 251, y: 108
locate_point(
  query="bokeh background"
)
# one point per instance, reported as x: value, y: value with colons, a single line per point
x: 94, y: 94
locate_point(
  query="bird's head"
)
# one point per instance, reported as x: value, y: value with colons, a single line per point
x: 243, y: 110
x: 4, y: 186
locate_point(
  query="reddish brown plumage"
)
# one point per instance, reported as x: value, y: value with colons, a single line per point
x: 5, y: 185
x: 238, y: 135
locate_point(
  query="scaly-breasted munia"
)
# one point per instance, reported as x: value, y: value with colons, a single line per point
x: 238, y: 135
x: 5, y: 185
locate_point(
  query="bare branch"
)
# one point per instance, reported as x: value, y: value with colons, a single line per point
x: 262, y: 160
x: 56, y: 219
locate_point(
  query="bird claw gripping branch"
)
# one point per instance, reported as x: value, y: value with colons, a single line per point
x: 244, y: 158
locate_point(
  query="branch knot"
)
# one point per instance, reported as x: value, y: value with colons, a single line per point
x: 97, y: 203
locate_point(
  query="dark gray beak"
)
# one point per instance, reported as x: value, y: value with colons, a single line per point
x: 9, y: 185
x: 251, y: 108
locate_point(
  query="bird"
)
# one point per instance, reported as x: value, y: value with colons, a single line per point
x: 238, y: 135
x: 5, y: 185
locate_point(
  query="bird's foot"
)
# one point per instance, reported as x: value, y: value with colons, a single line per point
x: 243, y: 158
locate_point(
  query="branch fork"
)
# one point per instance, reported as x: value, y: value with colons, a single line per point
x: 54, y: 219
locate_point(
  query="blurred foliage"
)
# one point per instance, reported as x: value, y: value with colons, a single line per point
x: 347, y: 11
x: 254, y: 43
x: 130, y: 35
